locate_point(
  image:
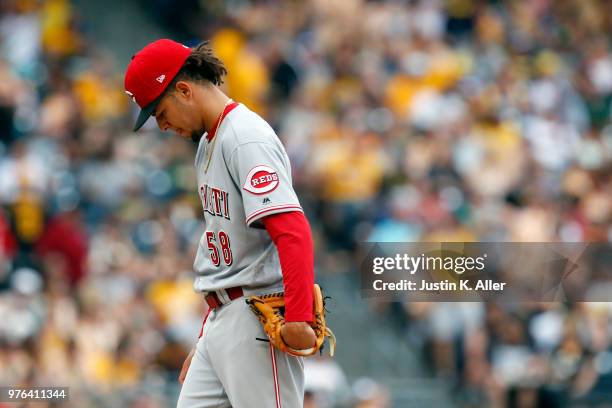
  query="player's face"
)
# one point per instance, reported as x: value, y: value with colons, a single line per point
x: 177, y: 111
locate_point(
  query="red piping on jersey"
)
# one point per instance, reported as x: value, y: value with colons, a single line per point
x: 291, y: 234
x: 211, y: 134
x: 263, y: 211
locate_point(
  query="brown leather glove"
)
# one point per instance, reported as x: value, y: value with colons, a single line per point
x: 270, y: 309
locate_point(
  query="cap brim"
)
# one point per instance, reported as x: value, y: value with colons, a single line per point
x: 146, y: 112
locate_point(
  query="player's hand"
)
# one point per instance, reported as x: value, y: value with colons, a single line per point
x: 298, y: 335
x: 186, y: 365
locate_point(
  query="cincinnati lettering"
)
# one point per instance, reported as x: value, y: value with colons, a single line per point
x: 215, y: 201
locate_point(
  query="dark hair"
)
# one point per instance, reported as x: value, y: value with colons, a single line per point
x: 201, y: 65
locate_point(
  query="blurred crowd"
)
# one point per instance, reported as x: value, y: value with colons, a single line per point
x: 456, y: 120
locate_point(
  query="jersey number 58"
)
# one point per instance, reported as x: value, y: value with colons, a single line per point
x: 226, y: 250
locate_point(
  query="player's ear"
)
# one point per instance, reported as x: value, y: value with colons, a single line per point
x: 183, y: 89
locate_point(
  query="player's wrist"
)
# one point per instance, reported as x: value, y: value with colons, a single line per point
x: 299, y: 318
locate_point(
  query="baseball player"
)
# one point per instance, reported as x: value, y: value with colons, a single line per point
x: 256, y: 239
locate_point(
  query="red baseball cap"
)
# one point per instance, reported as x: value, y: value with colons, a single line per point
x: 149, y: 73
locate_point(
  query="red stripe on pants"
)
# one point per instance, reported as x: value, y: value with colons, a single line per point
x: 204, y: 322
x: 275, y: 376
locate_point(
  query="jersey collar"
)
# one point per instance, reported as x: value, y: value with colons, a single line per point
x: 228, y: 108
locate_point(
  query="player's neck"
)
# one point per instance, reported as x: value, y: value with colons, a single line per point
x: 213, y: 103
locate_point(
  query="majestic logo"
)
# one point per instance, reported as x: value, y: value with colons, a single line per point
x: 266, y: 201
x: 261, y: 179
x: 161, y: 78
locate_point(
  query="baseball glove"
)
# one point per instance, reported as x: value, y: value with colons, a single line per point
x: 270, y: 310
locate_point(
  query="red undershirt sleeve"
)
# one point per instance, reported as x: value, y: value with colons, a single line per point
x: 291, y: 234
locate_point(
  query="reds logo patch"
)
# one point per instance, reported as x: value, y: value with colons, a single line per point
x: 261, y: 179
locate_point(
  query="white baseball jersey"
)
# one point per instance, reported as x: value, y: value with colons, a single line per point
x: 243, y: 175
